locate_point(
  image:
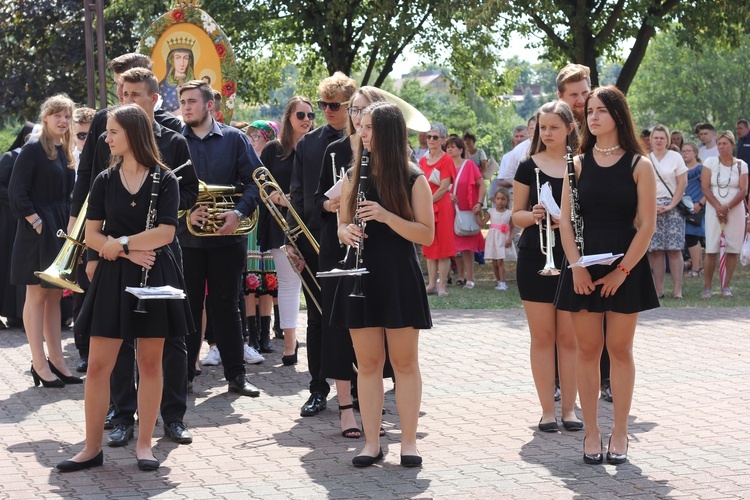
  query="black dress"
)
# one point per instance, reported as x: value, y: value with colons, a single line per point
x: 395, y: 294
x: 107, y: 310
x: 42, y: 186
x: 8, y: 225
x: 531, y: 285
x: 608, y: 199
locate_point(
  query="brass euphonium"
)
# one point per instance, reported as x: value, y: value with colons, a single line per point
x: 63, y: 271
x: 267, y: 185
x: 549, y: 268
x: 219, y: 199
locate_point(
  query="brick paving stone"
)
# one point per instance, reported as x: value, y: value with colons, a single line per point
x: 477, y: 427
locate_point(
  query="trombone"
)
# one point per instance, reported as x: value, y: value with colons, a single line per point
x: 545, y: 230
x: 267, y: 185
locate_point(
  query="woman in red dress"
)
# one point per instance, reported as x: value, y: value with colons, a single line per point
x: 440, y: 172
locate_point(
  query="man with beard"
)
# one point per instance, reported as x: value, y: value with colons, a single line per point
x: 221, y: 155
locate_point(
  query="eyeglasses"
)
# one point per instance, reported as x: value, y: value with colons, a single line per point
x: 82, y: 136
x: 433, y: 137
x: 301, y: 115
x: 334, y: 106
x: 355, y: 112
x: 254, y: 137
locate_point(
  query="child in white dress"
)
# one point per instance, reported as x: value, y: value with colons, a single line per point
x: 499, y: 243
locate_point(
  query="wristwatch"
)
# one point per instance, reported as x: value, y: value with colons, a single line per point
x: 240, y: 215
x: 124, y: 240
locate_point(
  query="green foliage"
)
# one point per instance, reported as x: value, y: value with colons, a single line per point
x: 581, y: 32
x: 528, y: 106
x: 680, y: 87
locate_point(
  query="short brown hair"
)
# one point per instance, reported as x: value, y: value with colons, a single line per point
x: 121, y: 64
x: 329, y: 88
x: 138, y: 75
x: 207, y: 93
x: 83, y: 115
x: 572, y: 73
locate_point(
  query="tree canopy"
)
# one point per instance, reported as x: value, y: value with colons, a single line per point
x: 582, y: 31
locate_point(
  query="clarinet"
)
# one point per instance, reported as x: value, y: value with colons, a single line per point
x: 364, y: 170
x: 575, y: 207
x: 150, y: 221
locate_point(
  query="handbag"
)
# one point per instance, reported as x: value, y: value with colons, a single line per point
x: 435, y: 177
x: 696, y: 218
x: 686, y: 205
x: 465, y: 223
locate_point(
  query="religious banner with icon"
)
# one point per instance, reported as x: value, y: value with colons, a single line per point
x: 187, y: 44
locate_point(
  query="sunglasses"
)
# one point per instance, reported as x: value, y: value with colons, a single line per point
x: 334, y: 106
x: 301, y: 115
x: 82, y: 135
x: 433, y: 137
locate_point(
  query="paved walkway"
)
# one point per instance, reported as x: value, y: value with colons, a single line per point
x: 477, y: 430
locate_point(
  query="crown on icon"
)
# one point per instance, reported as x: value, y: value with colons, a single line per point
x: 187, y: 3
x: 183, y: 43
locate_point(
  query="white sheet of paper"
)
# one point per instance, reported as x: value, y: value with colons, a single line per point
x: 335, y: 272
x: 335, y: 190
x: 548, y: 201
x: 602, y: 259
x: 156, y: 292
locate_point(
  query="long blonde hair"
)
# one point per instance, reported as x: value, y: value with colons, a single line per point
x: 55, y: 104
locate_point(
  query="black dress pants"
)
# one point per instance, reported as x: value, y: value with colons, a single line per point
x: 221, y: 268
x: 318, y: 383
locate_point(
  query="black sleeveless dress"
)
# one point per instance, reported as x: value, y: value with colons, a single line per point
x: 609, y: 200
x: 532, y: 286
x: 107, y: 310
x: 395, y: 294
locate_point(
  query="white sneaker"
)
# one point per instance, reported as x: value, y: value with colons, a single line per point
x: 213, y: 357
x: 252, y: 357
x: 502, y: 286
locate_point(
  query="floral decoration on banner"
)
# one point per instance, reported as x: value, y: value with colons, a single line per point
x: 504, y: 228
x: 252, y: 282
x: 190, y: 13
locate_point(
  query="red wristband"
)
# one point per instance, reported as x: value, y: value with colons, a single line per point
x: 627, y: 273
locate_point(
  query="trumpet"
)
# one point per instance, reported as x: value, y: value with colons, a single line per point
x: 336, y: 177
x: 267, y: 185
x: 575, y: 206
x: 549, y: 268
x: 63, y: 271
x: 219, y: 199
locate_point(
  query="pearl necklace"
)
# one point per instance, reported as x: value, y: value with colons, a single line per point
x: 607, y: 151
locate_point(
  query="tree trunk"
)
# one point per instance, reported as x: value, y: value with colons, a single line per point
x: 629, y: 69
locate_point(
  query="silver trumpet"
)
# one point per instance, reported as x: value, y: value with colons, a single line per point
x: 545, y: 230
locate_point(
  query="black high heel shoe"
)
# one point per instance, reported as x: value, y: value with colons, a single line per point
x: 615, y: 459
x: 67, y: 379
x: 594, y: 459
x: 45, y: 383
x: 292, y: 358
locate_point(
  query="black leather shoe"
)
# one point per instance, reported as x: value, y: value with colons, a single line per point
x: 411, y: 461
x: 83, y: 365
x: 314, y: 405
x: 366, y: 460
x: 241, y: 385
x: 615, y: 459
x: 146, y: 465
x: 71, y: 466
x: 177, y: 432
x: 120, y: 436
x: 572, y: 425
x: 548, y: 427
x: 594, y: 459
x: 67, y: 379
x: 108, y: 419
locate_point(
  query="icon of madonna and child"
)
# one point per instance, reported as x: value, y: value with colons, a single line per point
x: 180, y: 69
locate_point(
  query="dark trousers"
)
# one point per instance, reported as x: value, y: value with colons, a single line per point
x: 174, y: 393
x: 318, y: 383
x: 221, y: 268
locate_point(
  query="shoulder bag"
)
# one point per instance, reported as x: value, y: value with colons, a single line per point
x: 465, y: 223
x: 686, y: 205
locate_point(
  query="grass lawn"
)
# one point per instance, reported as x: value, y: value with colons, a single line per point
x: 484, y: 295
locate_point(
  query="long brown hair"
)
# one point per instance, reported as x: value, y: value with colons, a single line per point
x: 286, y: 134
x: 617, y: 106
x: 390, y: 168
x: 56, y: 104
x: 140, y: 134
x: 561, y: 109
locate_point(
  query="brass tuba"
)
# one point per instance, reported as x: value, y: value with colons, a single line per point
x: 267, y: 185
x: 63, y: 271
x: 219, y: 199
